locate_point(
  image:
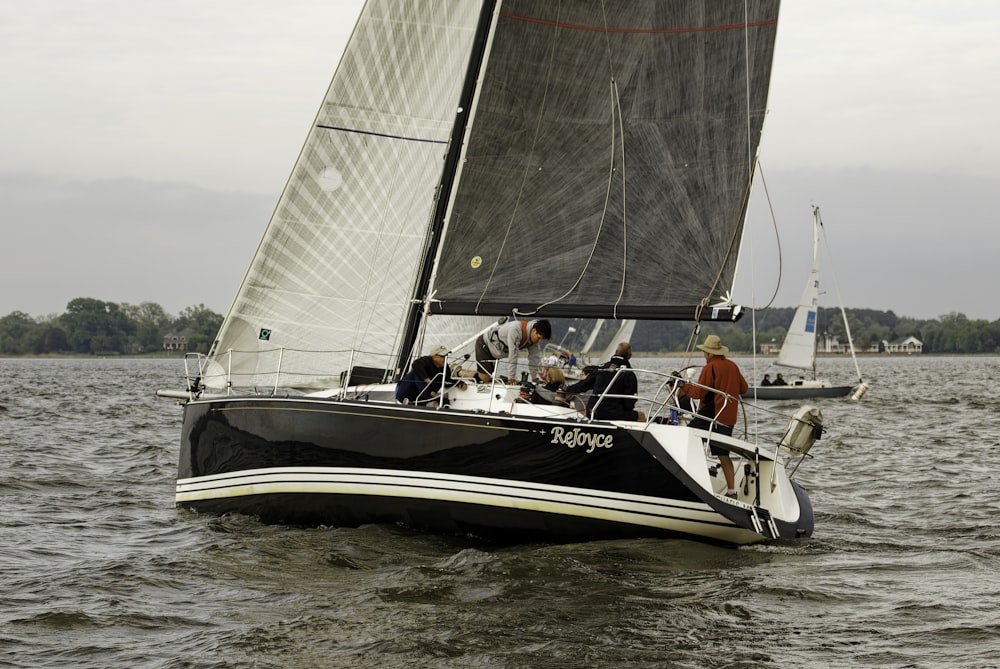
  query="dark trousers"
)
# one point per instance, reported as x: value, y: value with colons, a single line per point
x: 485, y: 361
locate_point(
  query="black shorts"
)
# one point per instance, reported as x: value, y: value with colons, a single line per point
x: 718, y: 428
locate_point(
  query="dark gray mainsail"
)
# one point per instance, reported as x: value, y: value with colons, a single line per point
x: 607, y: 161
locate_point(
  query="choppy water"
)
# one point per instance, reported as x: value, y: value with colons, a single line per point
x: 97, y: 568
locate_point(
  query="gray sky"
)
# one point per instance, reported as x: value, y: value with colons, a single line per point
x: 143, y: 146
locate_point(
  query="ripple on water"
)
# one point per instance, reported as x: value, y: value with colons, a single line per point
x: 99, y: 569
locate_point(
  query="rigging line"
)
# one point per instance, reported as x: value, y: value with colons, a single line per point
x: 372, y: 133
x: 615, y: 104
x: 777, y: 236
x: 600, y: 226
x: 746, y: 54
x: 621, y: 132
x: 750, y: 164
x: 753, y: 276
x: 836, y: 285
x: 524, y: 178
x: 729, y: 254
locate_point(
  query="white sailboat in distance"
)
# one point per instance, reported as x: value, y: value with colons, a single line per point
x: 798, y: 351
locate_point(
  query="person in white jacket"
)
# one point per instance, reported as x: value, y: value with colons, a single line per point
x: 507, y: 341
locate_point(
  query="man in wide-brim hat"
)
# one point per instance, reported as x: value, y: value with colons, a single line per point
x: 713, y: 345
x: 723, y: 384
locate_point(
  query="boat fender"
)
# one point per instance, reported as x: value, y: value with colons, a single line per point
x: 804, y: 428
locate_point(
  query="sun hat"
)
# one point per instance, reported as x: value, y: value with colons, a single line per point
x: 441, y: 351
x: 713, y: 345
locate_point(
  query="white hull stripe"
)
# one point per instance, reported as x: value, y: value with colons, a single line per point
x: 702, y: 523
x: 633, y: 509
x: 420, y: 479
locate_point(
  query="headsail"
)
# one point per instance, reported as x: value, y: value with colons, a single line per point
x: 336, y: 268
x: 629, y: 137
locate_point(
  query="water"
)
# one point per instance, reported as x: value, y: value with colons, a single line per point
x: 97, y: 568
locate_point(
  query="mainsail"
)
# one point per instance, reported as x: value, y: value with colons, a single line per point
x: 628, y: 135
x: 336, y: 269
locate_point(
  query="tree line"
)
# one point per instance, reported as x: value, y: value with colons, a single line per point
x: 91, y: 326
x: 869, y: 328
x: 96, y: 327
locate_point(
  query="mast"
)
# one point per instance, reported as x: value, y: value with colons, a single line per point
x: 478, y: 52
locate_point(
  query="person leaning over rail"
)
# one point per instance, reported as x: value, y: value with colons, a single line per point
x: 506, y: 341
x: 719, y: 375
x: 606, y: 379
x: 422, y: 383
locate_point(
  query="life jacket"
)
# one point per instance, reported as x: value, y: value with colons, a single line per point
x: 525, y: 340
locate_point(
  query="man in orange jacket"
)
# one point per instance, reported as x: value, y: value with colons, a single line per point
x: 719, y: 404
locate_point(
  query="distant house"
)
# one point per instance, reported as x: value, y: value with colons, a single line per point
x: 176, y: 341
x: 828, y: 343
x: 904, y: 345
x: 825, y: 343
x: 770, y: 348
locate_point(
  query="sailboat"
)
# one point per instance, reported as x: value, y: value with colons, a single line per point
x: 588, y: 355
x: 455, y: 140
x: 624, y: 333
x: 798, y: 351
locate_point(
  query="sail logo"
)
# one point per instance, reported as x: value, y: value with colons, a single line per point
x: 577, y: 437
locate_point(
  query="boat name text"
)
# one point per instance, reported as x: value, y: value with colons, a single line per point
x: 577, y: 437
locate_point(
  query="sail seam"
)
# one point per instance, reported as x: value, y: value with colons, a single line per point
x: 382, y: 134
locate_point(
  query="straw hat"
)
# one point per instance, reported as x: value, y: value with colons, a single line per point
x: 713, y: 345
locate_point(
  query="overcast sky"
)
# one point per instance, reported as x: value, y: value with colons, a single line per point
x: 143, y: 146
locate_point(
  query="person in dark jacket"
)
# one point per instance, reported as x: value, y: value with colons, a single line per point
x: 422, y: 383
x: 607, y: 379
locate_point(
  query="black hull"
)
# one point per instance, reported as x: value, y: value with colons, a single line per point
x: 796, y: 392
x: 349, y: 463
